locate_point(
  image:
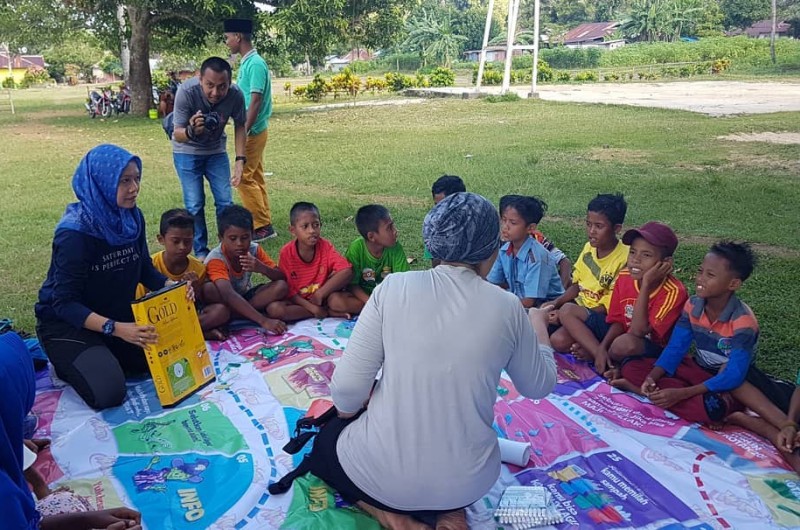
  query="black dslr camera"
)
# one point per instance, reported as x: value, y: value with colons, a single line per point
x: 211, y: 121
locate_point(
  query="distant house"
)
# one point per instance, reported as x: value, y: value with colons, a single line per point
x: 493, y: 53
x: 337, y: 64
x: 19, y: 65
x: 763, y: 30
x: 593, y: 35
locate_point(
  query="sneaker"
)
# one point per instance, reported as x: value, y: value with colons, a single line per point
x: 265, y: 232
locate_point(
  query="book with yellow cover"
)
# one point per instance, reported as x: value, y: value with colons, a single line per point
x: 179, y: 362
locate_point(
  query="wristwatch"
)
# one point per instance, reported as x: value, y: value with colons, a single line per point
x: 108, y: 328
x: 242, y: 158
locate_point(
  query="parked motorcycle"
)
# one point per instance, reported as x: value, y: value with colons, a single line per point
x: 100, y: 103
x: 123, y: 100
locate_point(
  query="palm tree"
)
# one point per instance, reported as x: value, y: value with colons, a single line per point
x: 432, y: 36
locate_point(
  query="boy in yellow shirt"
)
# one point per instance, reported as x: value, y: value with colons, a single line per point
x: 594, y: 275
x: 176, y: 233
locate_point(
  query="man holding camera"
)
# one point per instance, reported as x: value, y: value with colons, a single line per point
x: 202, y: 109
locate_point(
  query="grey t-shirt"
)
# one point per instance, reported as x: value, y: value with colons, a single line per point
x: 189, y: 99
x: 442, y: 337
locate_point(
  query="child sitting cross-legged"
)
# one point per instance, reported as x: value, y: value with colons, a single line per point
x: 176, y: 234
x: 376, y: 253
x: 523, y: 265
x: 231, y: 266
x: 722, y: 377
x: 316, y: 272
x: 645, y: 303
x: 596, y: 270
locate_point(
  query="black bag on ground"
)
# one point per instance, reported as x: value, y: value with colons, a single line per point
x: 305, y: 429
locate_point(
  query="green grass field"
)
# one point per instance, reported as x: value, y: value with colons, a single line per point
x: 670, y: 165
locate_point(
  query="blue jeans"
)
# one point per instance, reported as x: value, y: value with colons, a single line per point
x: 191, y: 169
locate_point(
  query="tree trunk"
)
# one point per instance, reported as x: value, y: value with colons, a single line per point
x: 124, y: 50
x: 140, y: 80
x: 774, y: 31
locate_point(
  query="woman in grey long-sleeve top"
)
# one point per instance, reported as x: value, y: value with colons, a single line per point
x: 425, y: 448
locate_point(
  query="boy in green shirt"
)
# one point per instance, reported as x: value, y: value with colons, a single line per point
x: 376, y: 254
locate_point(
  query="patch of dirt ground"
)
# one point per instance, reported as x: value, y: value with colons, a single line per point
x: 715, y: 98
x: 785, y: 138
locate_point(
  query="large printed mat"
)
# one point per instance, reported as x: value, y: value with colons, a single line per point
x: 610, y: 459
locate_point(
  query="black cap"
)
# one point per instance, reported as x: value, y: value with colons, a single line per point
x: 238, y: 25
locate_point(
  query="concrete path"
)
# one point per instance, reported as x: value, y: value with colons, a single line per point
x: 715, y: 98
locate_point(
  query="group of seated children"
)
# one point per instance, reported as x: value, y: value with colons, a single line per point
x: 621, y: 307
x: 311, y: 278
x: 629, y: 315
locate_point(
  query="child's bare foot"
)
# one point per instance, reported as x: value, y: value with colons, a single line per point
x: 624, y: 384
x: 337, y: 314
x: 215, y: 334
x: 456, y: 520
x: 578, y: 351
x: 392, y: 521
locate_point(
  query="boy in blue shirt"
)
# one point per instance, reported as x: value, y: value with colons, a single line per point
x: 523, y: 265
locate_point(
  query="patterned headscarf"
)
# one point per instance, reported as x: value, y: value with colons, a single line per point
x: 463, y: 227
x: 17, y: 386
x: 95, y: 184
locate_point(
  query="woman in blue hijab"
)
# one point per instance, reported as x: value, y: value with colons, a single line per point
x: 100, y: 255
x: 17, y: 507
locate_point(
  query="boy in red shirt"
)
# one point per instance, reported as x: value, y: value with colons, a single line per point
x: 231, y: 265
x: 316, y: 272
x: 645, y: 303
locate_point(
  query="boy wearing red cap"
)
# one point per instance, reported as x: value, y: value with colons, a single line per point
x: 645, y: 303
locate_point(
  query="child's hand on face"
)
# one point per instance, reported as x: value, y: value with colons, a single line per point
x: 653, y: 278
x: 248, y: 262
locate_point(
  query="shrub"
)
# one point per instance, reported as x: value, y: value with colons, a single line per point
x: 544, y: 72
x: 720, y: 65
x: 287, y: 87
x: 299, y: 91
x: 421, y: 81
x: 611, y: 77
x: 396, y: 81
x: 441, y: 76
x: 586, y: 75
x: 317, y: 88
x: 345, y: 81
x: 375, y: 84
x: 503, y: 98
x: 362, y: 67
x: 8, y: 82
x: 563, y: 77
x: 35, y: 75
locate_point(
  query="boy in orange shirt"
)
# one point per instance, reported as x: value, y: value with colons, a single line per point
x: 231, y: 264
x: 316, y: 272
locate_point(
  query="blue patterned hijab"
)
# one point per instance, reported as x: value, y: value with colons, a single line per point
x: 17, y: 387
x: 464, y: 227
x: 95, y: 184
